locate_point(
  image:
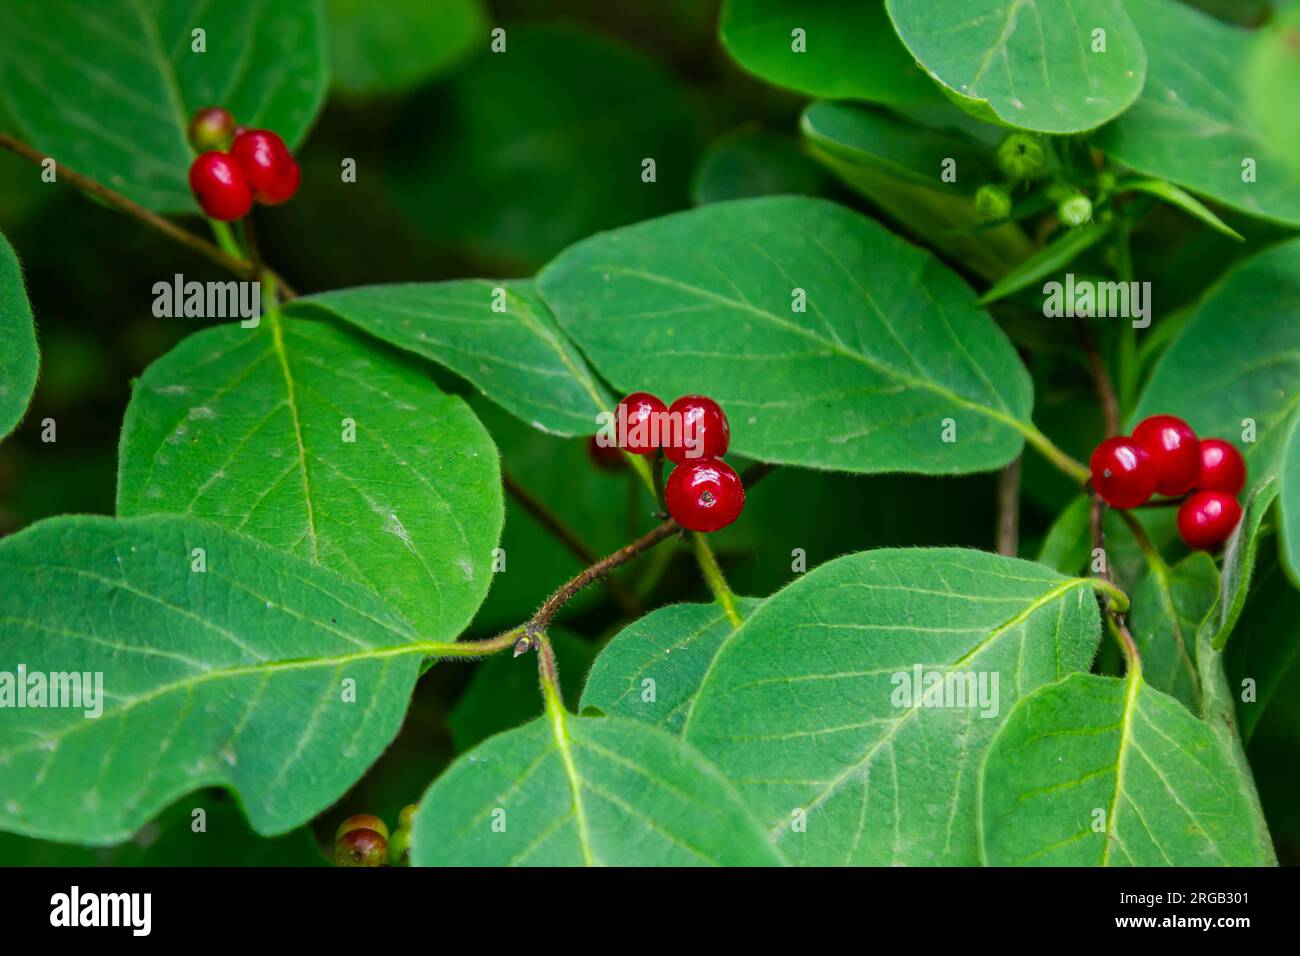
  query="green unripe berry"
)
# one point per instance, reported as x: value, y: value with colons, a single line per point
x: 361, y: 847
x: 992, y: 203
x: 399, y: 847
x: 1075, y: 211
x: 1106, y: 182
x: 361, y: 821
x: 213, y: 127
x: 406, y: 816
x: 1022, y: 157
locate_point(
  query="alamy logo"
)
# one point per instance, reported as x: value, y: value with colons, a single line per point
x: 208, y: 300
x: 1085, y: 299
x: 943, y: 688
x: 659, y: 430
x: 77, y: 690
x: 103, y: 909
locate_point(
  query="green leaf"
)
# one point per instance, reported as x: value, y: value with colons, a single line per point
x: 1102, y: 771
x: 806, y: 707
x: 109, y: 88
x: 1239, y: 565
x: 1169, y: 604
x: 381, y: 48
x: 1068, y: 543
x: 503, y: 691
x: 573, y: 791
x: 891, y: 344
x: 1033, y: 64
x: 1047, y: 261
x: 231, y: 677
x: 899, y: 167
x: 850, y: 51
x: 1234, y: 373
x: 1193, y: 125
x: 672, y: 648
x: 1183, y: 200
x: 501, y: 162
x: 249, y: 427
x: 505, y: 343
x: 19, y: 358
x: 1265, y: 644
x: 750, y: 162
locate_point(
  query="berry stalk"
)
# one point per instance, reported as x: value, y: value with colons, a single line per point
x: 712, y: 571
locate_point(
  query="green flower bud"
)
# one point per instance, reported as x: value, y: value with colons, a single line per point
x: 992, y: 203
x: 406, y: 816
x: 360, y: 847
x: 361, y: 821
x: 1075, y: 211
x: 399, y: 848
x: 1022, y: 157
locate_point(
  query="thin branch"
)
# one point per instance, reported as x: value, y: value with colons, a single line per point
x: 1115, y: 617
x: 190, y: 240
x: 1008, y: 531
x: 1100, y: 378
x: 569, y: 538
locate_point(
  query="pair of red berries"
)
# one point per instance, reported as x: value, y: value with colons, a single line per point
x: 258, y: 166
x: 1164, y: 456
x: 703, y: 493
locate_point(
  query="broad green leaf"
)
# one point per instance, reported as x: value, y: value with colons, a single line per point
x: 250, y: 428
x: 751, y: 162
x: 574, y: 791
x: 652, y: 669
x: 1169, y: 604
x: 527, y: 151
x: 1102, y: 771
x: 233, y: 676
x: 899, y: 167
x: 1068, y: 543
x: 19, y: 358
x: 846, y: 51
x: 1047, y: 261
x: 1265, y: 643
x: 1270, y: 76
x: 1183, y: 200
x: 389, y: 47
x: 503, y: 691
x: 1193, y: 125
x: 1234, y: 373
x: 498, y: 335
x: 1035, y: 64
x: 108, y: 88
x: 1239, y: 565
x: 864, y: 376
x: 807, y: 707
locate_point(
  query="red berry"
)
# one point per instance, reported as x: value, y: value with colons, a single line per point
x: 605, y: 457
x: 1175, y: 451
x: 639, y: 421
x: 220, y: 187
x: 266, y: 161
x: 213, y: 127
x: 361, y: 848
x: 705, y: 431
x: 1123, y: 473
x: 1207, y: 518
x: 1222, y: 468
x: 704, y: 495
x: 362, y: 821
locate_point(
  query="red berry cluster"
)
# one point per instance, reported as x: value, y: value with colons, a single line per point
x: 257, y: 167
x: 1164, y: 456
x: 703, y: 493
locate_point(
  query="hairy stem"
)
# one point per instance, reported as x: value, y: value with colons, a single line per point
x: 708, y: 562
x: 116, y: 200
x: 1056, y: 456
x: 1114, y: 613
x: 1008, y: 530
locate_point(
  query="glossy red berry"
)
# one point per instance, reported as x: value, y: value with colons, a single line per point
x: 1123, y: 473
x: 704, y: 432
x: 220, y: 186
x: 1174, y: 450
x: 704, y: 495
x: 267, y: 163
x: 1222, y: 468
x: 639, y: 419
x: 605, y: 457
x: 1207, y: 518
x: 361, y: 821
x: 213, y: 127
x: 361, y: 848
